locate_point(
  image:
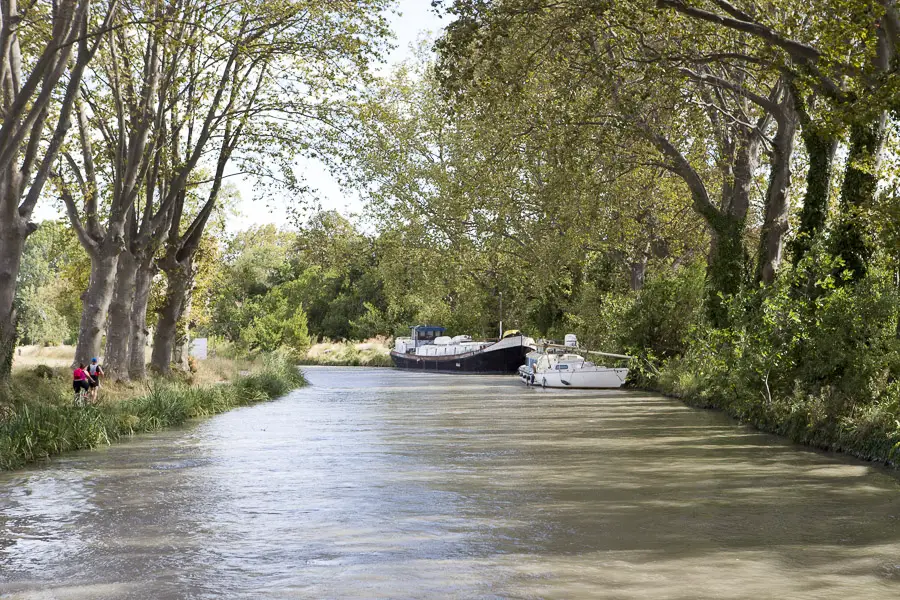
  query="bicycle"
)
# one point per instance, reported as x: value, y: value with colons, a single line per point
x: 81, y: 397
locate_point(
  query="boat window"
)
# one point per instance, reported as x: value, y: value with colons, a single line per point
x: 562, y: 367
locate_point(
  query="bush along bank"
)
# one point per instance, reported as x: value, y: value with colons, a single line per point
x: 39, y: 420
x: 814, y: 358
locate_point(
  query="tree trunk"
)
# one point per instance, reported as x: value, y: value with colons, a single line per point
x: 183, y: 337
x: 775, y: 220
x: 96, y: 299
x: 638, y: 269
x: 118, y: 329
x: 137, y: 362
x: 12, y: 244
x: 858, y: 192
x: 726, y: 269
x: 179, y: 284
x: 820, y: 147
x: 726, y: 265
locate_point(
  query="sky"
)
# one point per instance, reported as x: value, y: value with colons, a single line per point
x: 410, y: 20
x: 415, y: 19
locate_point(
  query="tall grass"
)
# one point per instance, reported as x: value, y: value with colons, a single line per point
x: 38, y: 419
x: 374, y: 352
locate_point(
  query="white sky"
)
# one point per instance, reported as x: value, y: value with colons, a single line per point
x: 415, y: 19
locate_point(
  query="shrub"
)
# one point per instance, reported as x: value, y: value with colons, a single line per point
x: 812, y: 357
x: 43, y: 372
x: 665, y: 312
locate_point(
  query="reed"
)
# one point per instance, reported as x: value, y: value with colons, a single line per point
x: 374, y: 352
x: 38, y: 419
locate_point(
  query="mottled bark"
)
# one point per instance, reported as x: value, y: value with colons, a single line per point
x: 119, y: 325
x: 727, y: 263
x: 30, y: 102
x: 13, y: 232
x: 179, y: 281
x: 775, y: 219
x: 137, y: 360
x: 183, y: 336
x: 96, y: 299
x: 638, y: 273
x: 637, y: 268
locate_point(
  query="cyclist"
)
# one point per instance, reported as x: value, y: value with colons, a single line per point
x: 95, y: 372
x: 80, y: 382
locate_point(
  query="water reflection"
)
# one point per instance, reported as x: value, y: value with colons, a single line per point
x: 376, y: 483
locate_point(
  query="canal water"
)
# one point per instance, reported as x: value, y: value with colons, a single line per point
x: 384, y: 484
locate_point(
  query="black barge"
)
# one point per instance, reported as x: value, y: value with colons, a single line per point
x: 428, y: 350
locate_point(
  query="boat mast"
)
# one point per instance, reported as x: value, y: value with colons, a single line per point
x: 501, y: 316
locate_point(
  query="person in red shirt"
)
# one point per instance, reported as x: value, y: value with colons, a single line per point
x: 80, y: 380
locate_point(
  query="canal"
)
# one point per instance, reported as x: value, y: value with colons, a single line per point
x: 384, y: 484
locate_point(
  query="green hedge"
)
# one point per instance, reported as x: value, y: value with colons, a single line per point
x: 39, y: 419
x: 814, y: 357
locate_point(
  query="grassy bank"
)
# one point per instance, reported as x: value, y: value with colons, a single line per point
x: 823, y: 420
x: 373, y: 352
x: 38, y: 419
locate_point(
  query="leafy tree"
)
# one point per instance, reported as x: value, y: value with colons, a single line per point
x: 54, y: 271
x: 40, y: 84
x: 277, y: 322
x: 284, y: 67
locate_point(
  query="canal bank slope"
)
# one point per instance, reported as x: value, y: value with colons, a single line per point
x: 868, y: 431
x: 38, y: 419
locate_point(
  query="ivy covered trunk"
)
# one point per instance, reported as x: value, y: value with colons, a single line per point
x: 12, y: 244
x: 180, y: 280
x: 820, y: 148
x: 118, y: 330
x: 726, y: 265
x: 96, y: 299
x: 137, y: 359
x: 857, y: 193
x: 726, y: 270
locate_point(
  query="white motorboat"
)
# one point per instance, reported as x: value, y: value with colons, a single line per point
x: 558, y: 366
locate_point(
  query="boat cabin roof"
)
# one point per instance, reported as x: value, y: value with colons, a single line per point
x: 428, y: 328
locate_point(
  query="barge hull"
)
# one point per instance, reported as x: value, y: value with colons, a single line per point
x: 485, y: 362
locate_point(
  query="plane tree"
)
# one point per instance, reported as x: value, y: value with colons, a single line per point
x: 281, y: 69
x: 44, y: 51
x: 843, y: 72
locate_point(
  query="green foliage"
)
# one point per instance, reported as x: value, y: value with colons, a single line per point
x: 277, y: 289
x: 665, y: 312
x: 38, y: 419
x: 276, y: 322
x: 821, y: 367
x: 55, y: 270
x: 599, y: 319
x: 374, y: 322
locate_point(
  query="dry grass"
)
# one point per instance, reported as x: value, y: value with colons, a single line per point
x: 59, y: 358
x: 52, y: 356
x: 216, y: 369
x: 374, y: 352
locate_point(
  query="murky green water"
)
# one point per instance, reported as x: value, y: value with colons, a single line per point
x: 382, y: 484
